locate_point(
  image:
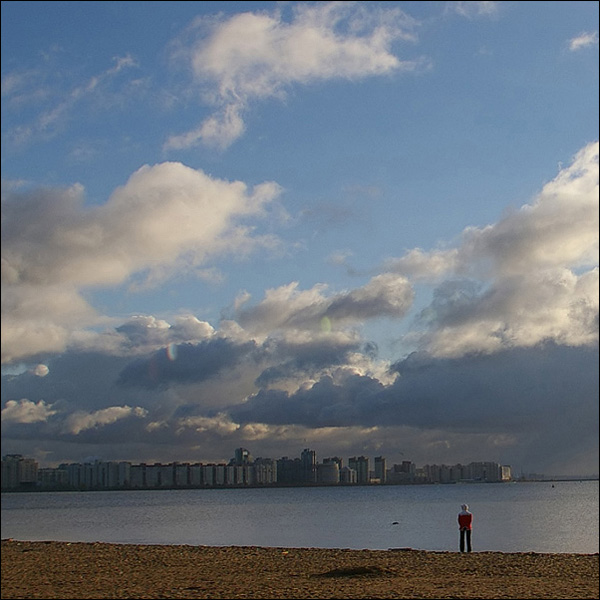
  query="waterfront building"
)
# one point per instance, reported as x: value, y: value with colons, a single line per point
x: 348, y: 475
x: 195, y: 475
x: 328, y: 473
x: 361, y: 466
x: 380, y: 469
x: 19, y: 473
x: 231, y: 474
x: 53, y: 478
x: 182, y: 474
x: 289, y: 470
x: 309, y: 465
x: 242, y: 457
x: 220, y: 474
x: 265, y: 471
x: 138, y: 475
x: 208, y: 475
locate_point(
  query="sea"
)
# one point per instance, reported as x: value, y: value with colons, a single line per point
x: 541, y: 517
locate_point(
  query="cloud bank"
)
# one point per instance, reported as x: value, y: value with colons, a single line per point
x: 504, y: 361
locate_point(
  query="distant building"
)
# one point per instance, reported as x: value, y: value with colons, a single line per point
x: 405, y: 472
x: 309, y: 466
x: 53, y: 478
x: 488, y: 472
x: 328, y: 473
x: 361, y: 466
x: 289, y: 470
x: 265, y: 471
x: 348, y: 475
x: 380, y: 469
x: 182, y: 474
x: 242, y: 457
x: 195, y: 475
x: 336, y: 459
x: 18, y: 472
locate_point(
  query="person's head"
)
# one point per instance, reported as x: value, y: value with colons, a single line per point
x: 465, y: 506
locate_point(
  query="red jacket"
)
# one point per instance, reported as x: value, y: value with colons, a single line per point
x: 465, y: 519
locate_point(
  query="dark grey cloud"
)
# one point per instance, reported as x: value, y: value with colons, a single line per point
x: 546, y: 397
x: 325, y: 404
x: 518, y: 390
x: 79, y: 380
x: 185, y: 363
x: 287, y: 358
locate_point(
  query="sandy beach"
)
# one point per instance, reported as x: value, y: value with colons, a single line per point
x: 98, y: 570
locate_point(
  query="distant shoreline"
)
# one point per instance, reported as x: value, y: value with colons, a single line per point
x: 286, y: 485
x: 53, y: 570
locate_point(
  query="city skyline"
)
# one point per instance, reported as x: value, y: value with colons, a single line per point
x: 243, y: 456
x: 367, y: 228
x: 19, y: 472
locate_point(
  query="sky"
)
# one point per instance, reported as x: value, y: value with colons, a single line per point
x: 363, y: 228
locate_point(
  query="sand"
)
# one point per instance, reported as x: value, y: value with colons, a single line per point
x: 98, y: 570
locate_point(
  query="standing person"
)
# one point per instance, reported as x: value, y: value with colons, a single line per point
x: 465, y: 524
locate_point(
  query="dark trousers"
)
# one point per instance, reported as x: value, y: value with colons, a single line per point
x: 465, y: 534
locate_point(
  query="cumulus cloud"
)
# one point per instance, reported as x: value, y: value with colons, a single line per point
x: 220, y: 424
x: 255, y: 56
x: 25, y: 411
x: 147, y: 332
x: 507, y: 392
x: 531, y: 277
x: 166, y: 219
x: 559, y: 229
x: 507, y: 366
x: 81, y: 421
x: 538, y: 400
x: 185, y: 363
x: 287, y: 308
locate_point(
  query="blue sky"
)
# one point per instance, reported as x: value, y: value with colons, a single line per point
x: 360, y: 227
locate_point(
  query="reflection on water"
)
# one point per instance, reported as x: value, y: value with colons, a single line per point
x: 508, y: 517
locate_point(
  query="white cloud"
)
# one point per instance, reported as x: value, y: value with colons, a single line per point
x: 474, y: 9
x: 147, y: 333
x: 583, y: 40
x: 537, y: 271
x: 81, y: 421
x: 287, y: 308
x: 221, y: 424
x: 220, y: 130
x: 166, y: 219
x: 254, y: 56
x: 25, y: 411
x: 560, y: 229
x: 422, y: 265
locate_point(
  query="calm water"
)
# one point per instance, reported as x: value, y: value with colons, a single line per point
x: 509, y: 517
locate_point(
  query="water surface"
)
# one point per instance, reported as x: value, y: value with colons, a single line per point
x: 508, y: 517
